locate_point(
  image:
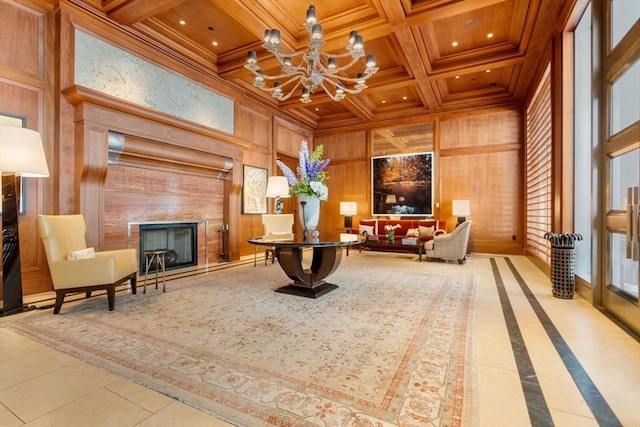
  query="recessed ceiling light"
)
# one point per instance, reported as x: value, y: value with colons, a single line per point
x: 488, y: 71
x: 182, y: 22
x: 404, y: 98
x: 490, y: 35
x: 454, y: 44
x: 384, y: 102
x: 457, y: 77
x: 215, y: 43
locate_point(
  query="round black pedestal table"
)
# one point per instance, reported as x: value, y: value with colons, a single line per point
x: 327, y: 254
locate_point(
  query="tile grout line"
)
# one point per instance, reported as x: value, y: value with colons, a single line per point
x: 598, y: 406
x: 537, y: 407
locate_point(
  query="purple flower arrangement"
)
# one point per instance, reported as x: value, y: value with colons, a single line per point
x: 311, y: 173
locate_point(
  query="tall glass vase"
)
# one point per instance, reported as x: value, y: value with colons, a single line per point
x: 309, y: 213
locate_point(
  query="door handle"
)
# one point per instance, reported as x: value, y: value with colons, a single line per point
x: 633, y: 223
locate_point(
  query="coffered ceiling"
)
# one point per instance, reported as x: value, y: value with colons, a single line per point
x: 433, y: 55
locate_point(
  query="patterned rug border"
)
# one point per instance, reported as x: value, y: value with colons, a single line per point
x: 463, y: 396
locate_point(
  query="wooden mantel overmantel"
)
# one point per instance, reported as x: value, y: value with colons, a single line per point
x: 131, y: 161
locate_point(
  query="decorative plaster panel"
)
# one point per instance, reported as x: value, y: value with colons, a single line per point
x: 110, y: 70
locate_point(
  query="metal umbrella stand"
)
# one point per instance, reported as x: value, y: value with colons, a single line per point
x: 563, y: 263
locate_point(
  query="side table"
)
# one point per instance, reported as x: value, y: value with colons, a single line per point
x: 157, y: 256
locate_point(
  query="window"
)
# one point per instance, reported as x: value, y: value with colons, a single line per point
x: 624, y: 13
x: 583, y: 151
x: 538, y: 166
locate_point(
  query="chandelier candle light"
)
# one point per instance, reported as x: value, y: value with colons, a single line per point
x: 312, y: 69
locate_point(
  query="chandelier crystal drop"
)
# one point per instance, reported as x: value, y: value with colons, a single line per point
x: 312, y: 69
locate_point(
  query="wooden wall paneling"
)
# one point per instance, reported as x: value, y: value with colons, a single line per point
x: 349, y: 177
x: 91, y: 171
x: 344, y: 146
x: 288, y: 136
x: 25, y: 101
x: 22, y: 40
x: 499, y: 127
x: 479, y: 158
x: 64, y: 192
x: 254, y: 125
x: 25, y: 85
x: 490, y: 182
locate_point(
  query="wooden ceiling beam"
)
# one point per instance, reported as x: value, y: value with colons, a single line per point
x: 447, y: 11
x: 131, y: 11
x: 409, y: 47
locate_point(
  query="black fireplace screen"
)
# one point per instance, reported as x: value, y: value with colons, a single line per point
x: 179, y: 239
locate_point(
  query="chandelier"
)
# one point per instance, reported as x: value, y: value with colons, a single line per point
x: 312, y: 69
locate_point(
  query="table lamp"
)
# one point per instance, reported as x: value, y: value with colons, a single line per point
x: 278, y: 187
x: 348, y: 209
x: 21, y: 154
x: 460, y: 208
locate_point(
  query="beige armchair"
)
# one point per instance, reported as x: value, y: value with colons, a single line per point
x: 276, y: 227
x: 452, y: 246
x: 76, y: 268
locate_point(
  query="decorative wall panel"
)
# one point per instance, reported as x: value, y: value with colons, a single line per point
x: 112, y: 71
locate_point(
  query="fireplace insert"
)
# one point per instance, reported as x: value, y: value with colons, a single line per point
x: 180, y: 239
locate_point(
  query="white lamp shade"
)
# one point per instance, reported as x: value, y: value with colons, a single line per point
x: 22, y: 153
x: 460, y: 207
x: 348, y: 208
x: 391, y: 198
x: 277, y: 186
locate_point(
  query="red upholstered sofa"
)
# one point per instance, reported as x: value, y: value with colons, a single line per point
x: 423, y: 229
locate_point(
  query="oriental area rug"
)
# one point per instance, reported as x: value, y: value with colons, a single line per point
x: 392, y: 346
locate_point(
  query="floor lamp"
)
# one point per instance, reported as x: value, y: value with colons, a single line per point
x: 278, y: 187
x: 21, y: 154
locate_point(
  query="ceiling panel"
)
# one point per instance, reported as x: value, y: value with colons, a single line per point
x: 419, y: 69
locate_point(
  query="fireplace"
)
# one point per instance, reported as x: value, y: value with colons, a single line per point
x: 180, y: 239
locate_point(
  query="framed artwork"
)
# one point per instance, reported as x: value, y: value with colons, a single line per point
x: 402, y: 184
x: 254, y: 189
x: 21, y: 190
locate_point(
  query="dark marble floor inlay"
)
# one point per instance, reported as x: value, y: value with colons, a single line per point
x: 597, y: 404
x: 539, y: 414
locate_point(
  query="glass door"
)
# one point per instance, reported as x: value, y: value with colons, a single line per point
x: 620, y: 296
x: 621, y: 161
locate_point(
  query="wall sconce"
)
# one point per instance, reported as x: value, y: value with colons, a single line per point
x: 348, y: 209
x: 460, y: 208
x: 277, y: 187
x: 21, y: 153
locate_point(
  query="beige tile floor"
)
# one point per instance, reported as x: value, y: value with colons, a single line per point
x: 36, y: 388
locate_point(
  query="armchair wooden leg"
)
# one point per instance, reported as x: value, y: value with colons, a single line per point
x: 59, y: 298
x: 111, y: 297
x: 88, y: 294
x: 134, y: 281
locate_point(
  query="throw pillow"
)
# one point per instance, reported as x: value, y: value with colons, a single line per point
x: 426, y: 231
x: 365, y: 230
x: 370, y: 222
x: 82, y: 254
x: 413, y: 232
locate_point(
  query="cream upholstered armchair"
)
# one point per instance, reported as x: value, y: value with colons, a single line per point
x: 76, y: 268
x: 276, y: 227
x: 452, y: 246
